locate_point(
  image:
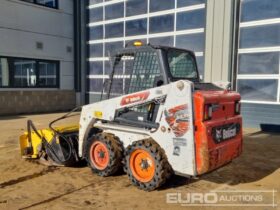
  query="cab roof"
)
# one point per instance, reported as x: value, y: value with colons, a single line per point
x: 148, y: 47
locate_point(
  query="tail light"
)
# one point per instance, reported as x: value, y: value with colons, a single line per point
x: 237, y: 107
x: 208, y: 110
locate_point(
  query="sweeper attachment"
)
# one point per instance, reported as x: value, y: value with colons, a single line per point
x: 155, y: 118
x: 52, y: 146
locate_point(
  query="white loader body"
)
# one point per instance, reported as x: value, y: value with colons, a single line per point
x: 177, y: 108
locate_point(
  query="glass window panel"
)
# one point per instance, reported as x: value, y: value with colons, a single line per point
x: 259, y: 63
x: 96, y: 67
x: 259, y: 9
x: 96, y: 50
x: 47, y: 74
x: 108, y: 69
x: 184, y: 3
x: 114, y: 30
x: 25, y: 73
x: 191, y: 19
x: 95, y: 85
x: 181, y: 64
x: 194, y: 42
x: 258, y: 89
x: 136, y: 27
x: 96, y: 33
x: 96, y: 14
x: 92, y: 98
x: 95, y: 1
x: 126, y: 84
x: 51, y: 81
x: 165, y: 41
x: 52, y: 69
x: 200, y: 65
x: 163, y: 23
x: 260, y: 36
x: 4, y: 72
x: 118, y: 68
x: 117, y: 88
x: 136, y: 7
x: 156, y: 5
x: 117, y: 85
x: 128, y: 63
x: 48, y: 3
x: 114, y: 11
x: 111, y: 47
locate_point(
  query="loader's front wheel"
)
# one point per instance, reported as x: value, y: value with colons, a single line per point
x: 104, y: 154
x: 146, y: 164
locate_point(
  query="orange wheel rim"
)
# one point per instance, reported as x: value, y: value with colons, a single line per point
x: 142, y: 165
x: 99, y: 155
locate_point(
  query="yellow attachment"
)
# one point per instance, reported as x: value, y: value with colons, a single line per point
x: 36, y: 141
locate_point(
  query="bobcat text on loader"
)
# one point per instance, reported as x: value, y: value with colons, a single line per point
x: 155, y: 118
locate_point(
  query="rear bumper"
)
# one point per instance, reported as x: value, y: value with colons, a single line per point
x: 211, y: 154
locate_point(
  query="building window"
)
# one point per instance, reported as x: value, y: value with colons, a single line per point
x: 24, y: 73
x: 47, y: 3
x: 28, y: 73
x: 47, y: 74
x: 114, y: 11
x: 156, y: 5
x: 258, y: 78
x: 136, y: 7
x: 162, y: 23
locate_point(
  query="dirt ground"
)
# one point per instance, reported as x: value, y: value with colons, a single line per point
x: 27, y: 185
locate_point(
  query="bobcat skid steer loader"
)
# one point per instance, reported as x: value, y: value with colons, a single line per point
x: 155, y: 118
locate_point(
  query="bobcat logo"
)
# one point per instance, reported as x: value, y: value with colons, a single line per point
x: 219, y: 134
x: 178, y: 119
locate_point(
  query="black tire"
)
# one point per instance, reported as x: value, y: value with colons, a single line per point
x: 115, y: 150
x: 162, y: 170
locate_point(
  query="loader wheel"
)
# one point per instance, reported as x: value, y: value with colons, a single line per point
x: 104, y: 154
x: 146, y: 164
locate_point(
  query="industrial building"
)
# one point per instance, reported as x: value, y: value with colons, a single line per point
x: 55, y: 53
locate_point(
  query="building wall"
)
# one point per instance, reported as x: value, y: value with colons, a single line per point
x: 25, y: 102
x: 24, y: 24
x: 256, y: 114
x: 219, y: 40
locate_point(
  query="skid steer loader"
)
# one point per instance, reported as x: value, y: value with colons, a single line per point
x: 155, y: 118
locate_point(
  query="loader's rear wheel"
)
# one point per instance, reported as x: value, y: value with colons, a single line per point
x: 104, y: 154
x: 142, y: 165
x: 146, y: 164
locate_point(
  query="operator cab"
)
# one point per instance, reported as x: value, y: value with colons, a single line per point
x: 140, y: 67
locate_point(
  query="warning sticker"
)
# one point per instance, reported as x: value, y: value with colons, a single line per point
x: 179, y: 142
